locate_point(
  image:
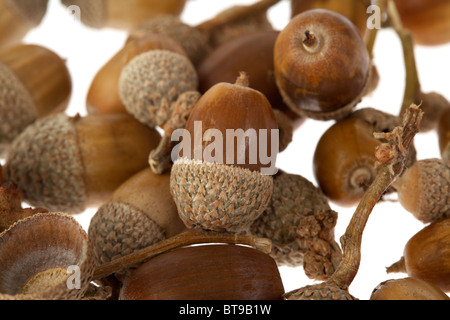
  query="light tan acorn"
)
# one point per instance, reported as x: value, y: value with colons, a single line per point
x: 217, y: 187
x: 67, y: 164
x: 300, y: 223
x: 103, y: 95
x: 123, y: 15
x: 34, y: 82
x: 45, y: 257
x: 18, y: 17
x: 407, y: 289
x: 424, y: 190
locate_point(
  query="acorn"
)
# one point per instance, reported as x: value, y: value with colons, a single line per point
x: 34, y: 82
x: 222, y: 185
x: 206, y: 272
x: 322, y: 66
x: 252, y: 53
x: 345, y: 176
x: 444, y: 135
x: 103, y: 95
x: 354, y: 10
x: 300, y: 223
x: 427, y: 20
x: 423, y: 190
x: 139, y: 213
x: 427, y: 255
x: 45, y: 257
x: 407, y: 289
x: 18, y: 17
x: 433, y: 105
x: 120, y: 15
x: 68, y: 164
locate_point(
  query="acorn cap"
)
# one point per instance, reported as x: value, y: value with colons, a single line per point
x: 45, y: 163
x: 301, y: 225
x: 32, y: 11
x: 119, y: 229
x: 424, y: 189
x: 218, y: 197
x: 322, y: 291
x: 152, y: 82
x: 17, y: 109
x: 35, y: 250
x: 194, y: 42
x: 93, y: 13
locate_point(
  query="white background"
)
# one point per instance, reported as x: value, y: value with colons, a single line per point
x: 389, y: 227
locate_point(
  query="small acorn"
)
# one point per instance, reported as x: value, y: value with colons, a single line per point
x: 444, y: 135
x: 206, y: 272
x: 424, y: 188
x: 67, y: 164
x: 407, y: 289
x: 300, y: 223
x: 18, y: 17
x: 120, y: 15
x: 427, y: 255
x: 354, y: 10
x: 34, y: 82
x: 217, y: 183
x: 103, y: 95
x: 433, y: 105
x: 322, y: 65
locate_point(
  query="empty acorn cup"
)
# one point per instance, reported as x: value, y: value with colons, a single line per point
x: 45, y: 257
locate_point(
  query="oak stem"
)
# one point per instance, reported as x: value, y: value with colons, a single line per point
x: 399, y: 142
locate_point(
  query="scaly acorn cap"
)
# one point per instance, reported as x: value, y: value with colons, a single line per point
x: 45, y: 163
x: 193, y: 41
x: 93, y: 13
x: 152, y: 82
x: 322, y: 291
x: 218, y: 197
x: 118, y: 229
x: 33, y: 11
x: 300, y: 223
x: 424, y: 190
x: 17, y: 109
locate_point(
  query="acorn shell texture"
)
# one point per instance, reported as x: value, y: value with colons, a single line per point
x: 17, y: 109
x: 45, y: 163
x: 39, y: 243
x: 218, y: 197
x: 301, y: 225
x: 152, y: 82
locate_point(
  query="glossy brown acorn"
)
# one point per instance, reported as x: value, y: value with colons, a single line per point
x: 427, y: 20
x: 444, y: 135
x: 210, y: 272
x: 354, y: 10
x: 427, y: 255
x: 322, y: 65
x: 103, y: 96
x: 252, y: 53
x: 407, y: 289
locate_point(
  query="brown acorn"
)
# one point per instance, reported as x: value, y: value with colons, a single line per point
x: 67, y: 164
x: 103, y: 95
x: 427, y: 20
x: 407, y: 289
x: 444, y: 135
x: 208, y: 272
x: 427, y: 255
x: 34, y: 82
x: 300, y: 223
x: 322, y: 65
x: 123, y: 15
x: 354, y: 10
x: 18, y: 17
x: 218, y: 185
x: 424, y: 188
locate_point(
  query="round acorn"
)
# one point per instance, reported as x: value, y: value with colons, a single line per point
x: 322, y: 65
x: 18, y: 17
x: 407, y: 289
x: 34, y: 82
x: 67, y: 164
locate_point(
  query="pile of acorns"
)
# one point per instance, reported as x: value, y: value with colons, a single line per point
x: 170, y: 224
